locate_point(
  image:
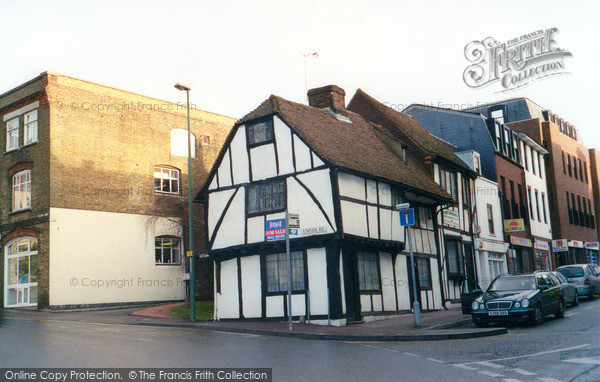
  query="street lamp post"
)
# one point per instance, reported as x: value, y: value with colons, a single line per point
x: 190, y: 253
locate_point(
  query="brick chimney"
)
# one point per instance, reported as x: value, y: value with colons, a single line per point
x: 327, y: 96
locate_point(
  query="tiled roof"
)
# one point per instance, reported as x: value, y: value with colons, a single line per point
x: 354, y: 146
x: 405, y: 128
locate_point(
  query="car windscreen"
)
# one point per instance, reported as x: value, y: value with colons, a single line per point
x: 571, y: 272
x: 512, y: 283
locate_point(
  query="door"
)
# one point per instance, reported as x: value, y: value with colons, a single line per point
x: 351, y: 288
x: 20, y: 273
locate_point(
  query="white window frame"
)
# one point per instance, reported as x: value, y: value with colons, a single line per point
x: 175, y: 257
x: 179, y: 143
x: 12, y: 134
x: 167, y: 175
x: 21, y: 182
x: 22, y: 288
x: 30, y: 130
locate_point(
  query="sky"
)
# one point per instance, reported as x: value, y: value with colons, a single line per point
x: 234, y: 54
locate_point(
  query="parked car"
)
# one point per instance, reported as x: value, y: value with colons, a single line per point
x: 569, y: 290
x: 584, y: 277
x: 519, y: 298
x: 597, y: 269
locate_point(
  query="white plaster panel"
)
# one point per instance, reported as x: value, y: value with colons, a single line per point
x: 300, y: 202
x: 232, y: 228
x: 316, y: 160
x: 377, y: 307
x: 228, y: 299
x: 302, y: 154
x: 371, y: 191
x: 385, y: 194
x: 387, y: 281
x: 225, y: 171
x: 317, y: 280
x: 298, y: 304
x: 365, y: 303
x: 256, y: 229
x: 283, y: 136
x: 216, y: 204
x: 354, y: 218
x: 262, y: 160
x: 373, y: 230
x: 402, y: 283
x: 274, y: 306
x: 239, y: 157
x: 351, y: 186
x: 251, y: 286
x: 385, y: 220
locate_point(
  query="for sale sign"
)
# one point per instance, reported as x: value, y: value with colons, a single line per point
x: 275, y: 229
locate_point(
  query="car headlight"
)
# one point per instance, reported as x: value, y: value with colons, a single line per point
x: 517, y: 305
x: 525, y: 303
x: 475, y: 305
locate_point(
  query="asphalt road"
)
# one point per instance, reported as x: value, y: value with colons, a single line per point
x: 565, y: 349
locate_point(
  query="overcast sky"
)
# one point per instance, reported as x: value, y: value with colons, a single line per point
x: 235, y: 54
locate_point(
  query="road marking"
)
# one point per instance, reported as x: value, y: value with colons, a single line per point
x: 531, y: 355
x: 511, y: 380
x: 463, y: 366
x: 523, y: 372
x: 414, y: 355
x: 435, y: 360
x: 548, y: 379
x: 490, y: 374
x: 572, y: 314
x: 587, y: 361
x: 489, y: 364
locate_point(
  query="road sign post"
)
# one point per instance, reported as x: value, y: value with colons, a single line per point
x: 407, y: 219
x: 289, y: 263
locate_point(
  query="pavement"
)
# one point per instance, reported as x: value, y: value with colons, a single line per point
x: 438, y: 325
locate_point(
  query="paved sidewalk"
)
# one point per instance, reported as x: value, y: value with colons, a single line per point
x: 439, y: 325
x: 159, y: 311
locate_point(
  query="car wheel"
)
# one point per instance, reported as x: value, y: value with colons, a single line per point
x: 560, y: 313
x: 576, y: 300
x: 481, y: 324
x: 538, y: 317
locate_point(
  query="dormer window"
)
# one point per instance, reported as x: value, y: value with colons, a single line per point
x: 260, y: 132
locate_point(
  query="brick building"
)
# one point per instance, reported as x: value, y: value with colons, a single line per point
x: 569, y: 182
x: 93, y: 196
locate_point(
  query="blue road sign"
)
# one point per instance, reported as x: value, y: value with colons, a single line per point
x: 407, y: 217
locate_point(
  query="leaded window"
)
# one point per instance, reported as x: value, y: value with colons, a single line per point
x: 277, y: 272
x: 260, y: 132
x: 266, y: 197
x: 368, y: 271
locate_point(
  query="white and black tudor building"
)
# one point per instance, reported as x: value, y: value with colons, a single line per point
x: 330, y: 166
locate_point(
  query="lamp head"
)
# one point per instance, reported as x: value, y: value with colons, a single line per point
x: 180, y: 86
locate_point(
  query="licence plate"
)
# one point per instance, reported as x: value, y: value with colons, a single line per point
x: 498, y: 313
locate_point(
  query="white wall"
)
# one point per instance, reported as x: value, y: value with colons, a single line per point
x: 101, y: 257
x: 536, y: 182
x: 317, y: 280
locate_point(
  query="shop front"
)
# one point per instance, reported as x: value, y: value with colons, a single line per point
x: 591, y: 251
x: 521, y: 259
x: 576, y: 252
x: 541, y: 255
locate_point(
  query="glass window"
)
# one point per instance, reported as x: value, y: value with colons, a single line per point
x: 454, y: 257
x: 544, y: 208
x: 537, y: 206
x: 31, y: 127
x: 167, y: 250
x: 530, y: 204
x: 179, y: 143
x: 260, y: 132
x: 277, y: 271
x: 166, y: 180
x: 266, y: 197
x: 368, y: 271
x: 22, y: 272
x: 540, y: 164
x: 12, y: 134
x: 21, y: 190
x: 580, y: 170
x: 569, y: 165
x: 424, y: 272
x: 490, y: 216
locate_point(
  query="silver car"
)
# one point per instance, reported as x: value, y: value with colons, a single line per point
x: 584, y: 277
x: 569, y: 290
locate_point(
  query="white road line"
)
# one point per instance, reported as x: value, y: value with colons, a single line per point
x: 523, y: 372
x: 588, y: 361
x: 490, y: 374
x: 463, y: 366
x: 531, y: 355
x: 548, y: 379
x: 511, y: 380
x: 435, y: 360
x: 489, y: 364
x: 414, y: 355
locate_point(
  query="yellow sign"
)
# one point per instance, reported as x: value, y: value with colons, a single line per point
x: 514, y: 225
x: 189, y: 253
